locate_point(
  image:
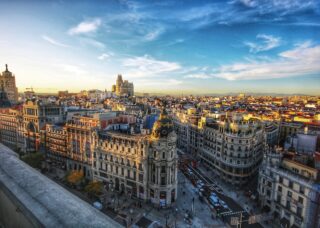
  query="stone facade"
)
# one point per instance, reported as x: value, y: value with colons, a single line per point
x: 290, y: 190
x: 143, y: 166
x: 123, y: 87
x: 233, y: 148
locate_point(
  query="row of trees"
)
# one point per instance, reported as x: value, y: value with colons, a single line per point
x: 76, y: 179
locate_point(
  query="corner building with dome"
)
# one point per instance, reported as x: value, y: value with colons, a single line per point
x: 141, y: 166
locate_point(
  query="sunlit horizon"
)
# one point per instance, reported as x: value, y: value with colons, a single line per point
x: 201, y: 47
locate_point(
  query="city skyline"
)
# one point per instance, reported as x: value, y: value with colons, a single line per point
x: 164, y: 46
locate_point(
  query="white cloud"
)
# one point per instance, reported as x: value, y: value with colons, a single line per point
x: 174, y: 82
x: 153, y: 35
x: 53, y: 41
x: 302, y: 60
x: 144, y: 66
x: 105, y: 56
x: 267, y: 42
x: 92, y: 42
x: 71, y: 69
x: 86, y: 27
x: 199, y: 76
x: 159, y: 83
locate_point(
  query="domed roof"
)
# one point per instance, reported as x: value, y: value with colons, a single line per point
x: 163, y: 126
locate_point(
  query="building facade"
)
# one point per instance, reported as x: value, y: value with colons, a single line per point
x: 80, y: 143
x: 36, y: 114
x: 143, y: 166
x: 11, y: 129
x: 8, y: 85
x: 56, y: 143
x: 290, y: 190
x: 123, y: 87
x: 233, y: 148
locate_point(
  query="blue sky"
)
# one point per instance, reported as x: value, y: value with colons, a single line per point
x: 267, y: 46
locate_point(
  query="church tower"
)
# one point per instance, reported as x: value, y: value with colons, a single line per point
x: 162, y: 167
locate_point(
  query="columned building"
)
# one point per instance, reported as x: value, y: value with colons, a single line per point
x: 162, y: 167
x: 140, y: 165
x: 233, y: 148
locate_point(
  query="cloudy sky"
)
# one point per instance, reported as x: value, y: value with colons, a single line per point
x: 164, y: 46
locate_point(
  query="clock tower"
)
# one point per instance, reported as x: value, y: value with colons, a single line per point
x: 162, y: 168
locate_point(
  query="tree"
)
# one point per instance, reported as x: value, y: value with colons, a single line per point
x: 75, y: 177
x: 94, y: 188
x: 33, y: 159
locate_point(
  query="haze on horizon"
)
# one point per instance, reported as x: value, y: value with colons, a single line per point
x: 198, y: 47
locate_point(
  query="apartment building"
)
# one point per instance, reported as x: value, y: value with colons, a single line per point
x: 11, y: 128
x: 289, y: 188
x: 233, y: 147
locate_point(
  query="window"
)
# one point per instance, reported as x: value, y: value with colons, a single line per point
x: 288, y: 205
x: 289, y: 194
x: 290, y: 184
x: 163, y: 180
x: 141, y: 177
x: 163, y: 169
x: 280, y: 180
x: 163, y: 155
x: 301, y: 189
x: 299, y: 211
x: 279, y: 188
x: 300, y: 200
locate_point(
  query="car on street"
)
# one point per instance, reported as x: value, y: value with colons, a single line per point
x: 223, y: 204
x: 214, y: 201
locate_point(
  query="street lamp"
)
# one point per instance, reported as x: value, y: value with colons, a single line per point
x: 167, y: 217
x: 175, y: 217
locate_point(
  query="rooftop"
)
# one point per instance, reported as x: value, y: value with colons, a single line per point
x: 49, y: 203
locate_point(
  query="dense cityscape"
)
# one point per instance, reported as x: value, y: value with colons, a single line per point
x: 173, y: 161
x: 160, y: 114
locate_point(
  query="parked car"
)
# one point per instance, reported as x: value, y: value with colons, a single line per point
x: 214, y: 201
x: 223, y: 204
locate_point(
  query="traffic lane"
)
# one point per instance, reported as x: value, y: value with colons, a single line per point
x: 232, y: 204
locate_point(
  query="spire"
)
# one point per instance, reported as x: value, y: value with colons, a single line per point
x: 6, y: 67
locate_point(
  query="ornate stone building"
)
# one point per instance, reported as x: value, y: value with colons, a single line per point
x: 80, y: 143
x: 56, y: 143
x: 123, y: 88
x: 289, y: 188
x: 11, y: 128
x: 143, y: 166
x: 233, y: 148
x: 8, y: 85
x: 36, y: 114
